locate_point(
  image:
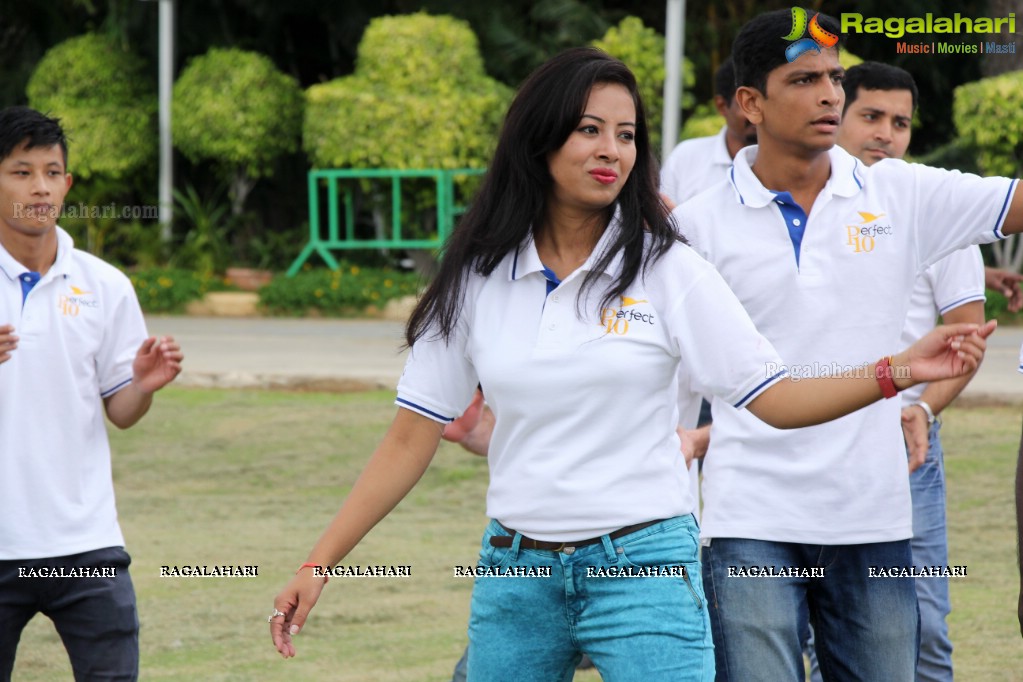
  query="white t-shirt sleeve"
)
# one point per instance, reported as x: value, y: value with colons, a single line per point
x: 721, y: 350
x: 124, y: 331
x: 953, y: 209
x: 439, y: 378
x: 958, y: 278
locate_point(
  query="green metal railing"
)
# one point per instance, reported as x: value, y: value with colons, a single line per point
x: 343, y: 181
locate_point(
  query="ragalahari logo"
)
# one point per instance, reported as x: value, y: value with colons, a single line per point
x: 819, y: 38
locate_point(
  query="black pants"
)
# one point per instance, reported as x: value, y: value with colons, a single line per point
x: 94, y: 614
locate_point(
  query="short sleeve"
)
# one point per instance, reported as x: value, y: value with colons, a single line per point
x: 721, y: 350
x: 951, y: 209
x: 439, y: 378
x: 124, y: 331
x: 957, y: 279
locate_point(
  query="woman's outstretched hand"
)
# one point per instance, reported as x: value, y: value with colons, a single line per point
x: 949, y: 350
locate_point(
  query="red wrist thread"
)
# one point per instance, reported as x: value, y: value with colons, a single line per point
x: 309, y: 564
x: 883, y: 373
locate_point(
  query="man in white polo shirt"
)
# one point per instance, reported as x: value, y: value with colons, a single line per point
x: 823, y: 252
x: 699, y: 163
x: 876, y: 124
x: 73, y: 348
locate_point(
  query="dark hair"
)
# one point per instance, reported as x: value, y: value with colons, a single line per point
x: 724, y: 81
x: 512, y: 200
x: 877, y: 76
x: 22, y: 124
x: 760, y: 46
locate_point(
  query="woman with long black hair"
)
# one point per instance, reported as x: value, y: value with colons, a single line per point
x: 567, y: 294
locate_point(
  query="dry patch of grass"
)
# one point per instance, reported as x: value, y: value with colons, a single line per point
x: 252, y: 478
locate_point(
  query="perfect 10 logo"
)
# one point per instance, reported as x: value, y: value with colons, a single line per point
x: 819, y: 38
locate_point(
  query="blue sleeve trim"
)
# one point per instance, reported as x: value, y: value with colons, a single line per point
x: 1005, y: 207
x: 423, y: 410
x: 115, y: 389
x: 962, y: 301
x: 760, y: 388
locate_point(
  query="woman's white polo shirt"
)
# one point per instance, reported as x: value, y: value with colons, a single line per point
x: 585, y: 398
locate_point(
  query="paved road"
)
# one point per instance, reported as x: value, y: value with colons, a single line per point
x: 351, y: 355
x: 333, y: 355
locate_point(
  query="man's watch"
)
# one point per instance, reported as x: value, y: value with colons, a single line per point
x: 927, y: 409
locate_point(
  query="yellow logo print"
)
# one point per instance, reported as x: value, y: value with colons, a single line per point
x: 863, y: 236
x: 617, y: 321
x: 70, y: 305
x: 869, y: 217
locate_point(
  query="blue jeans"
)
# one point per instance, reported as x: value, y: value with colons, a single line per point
x: 930, y: 548
x: 461, y: 668
x: 95, y: 616
x: 866, y: 628
x: 635, y: 629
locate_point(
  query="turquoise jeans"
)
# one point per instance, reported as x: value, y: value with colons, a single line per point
x: 600, y: 599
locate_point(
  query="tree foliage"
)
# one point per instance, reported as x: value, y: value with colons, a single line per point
x: 419, y: 98
x: 703, y: 122
x: 233, y: 107
x: 989, y: 117
x: 105, y: 101
x: 642, y: 50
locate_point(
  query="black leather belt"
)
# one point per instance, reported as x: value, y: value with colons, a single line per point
x: 530, y: 543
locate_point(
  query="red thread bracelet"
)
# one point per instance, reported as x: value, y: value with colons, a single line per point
x: 309, y: 564
x: 883, y: 374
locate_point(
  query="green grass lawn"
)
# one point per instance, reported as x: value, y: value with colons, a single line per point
x: 252, y: 478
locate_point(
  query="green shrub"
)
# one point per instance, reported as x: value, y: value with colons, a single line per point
x: 703, y: 122
x: 204, y: 248
x: 169, y: 290
x: 419, y: 98
x: 642, y: 50
x: 996, y: 306
x: 989, y: 117
x: 345, y: 291
x: 104, y: 98
x: 234, y: 108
